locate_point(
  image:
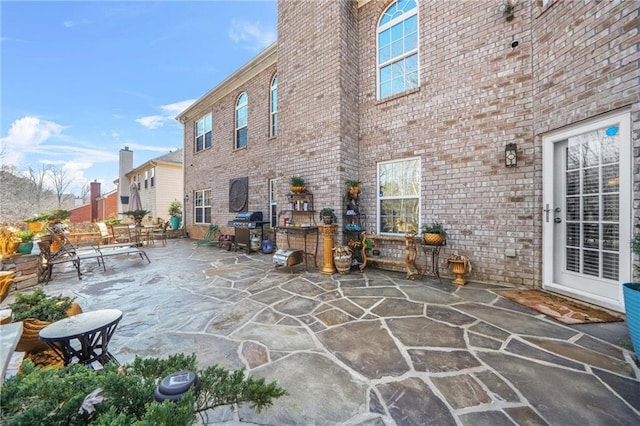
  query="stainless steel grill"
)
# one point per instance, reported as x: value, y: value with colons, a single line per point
x: 244, y: 223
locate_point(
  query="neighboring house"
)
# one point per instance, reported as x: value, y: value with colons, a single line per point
x: 100, y: 206
x: 422, y: 101
x: 159, y: 181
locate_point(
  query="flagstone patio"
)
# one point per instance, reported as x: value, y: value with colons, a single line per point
x: 362, y: 349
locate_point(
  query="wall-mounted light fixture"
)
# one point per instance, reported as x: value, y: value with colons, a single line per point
x: 511, y: 155
x: 186, y: 198
x: 507, y: 9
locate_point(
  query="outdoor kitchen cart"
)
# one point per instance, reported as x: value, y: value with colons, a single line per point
x: 298, y: 221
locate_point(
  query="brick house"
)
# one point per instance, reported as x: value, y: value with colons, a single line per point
x: 99, y: 207
x: 421, y: 100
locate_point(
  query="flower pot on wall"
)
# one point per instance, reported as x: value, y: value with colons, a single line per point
x: 631, y: 293
x: 175, y: 222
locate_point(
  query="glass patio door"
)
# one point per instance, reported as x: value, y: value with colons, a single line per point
x: 587, y: 211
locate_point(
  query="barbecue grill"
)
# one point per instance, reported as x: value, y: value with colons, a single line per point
x: 244, y: 223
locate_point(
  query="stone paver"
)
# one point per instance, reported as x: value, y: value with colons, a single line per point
x: 362, y: 349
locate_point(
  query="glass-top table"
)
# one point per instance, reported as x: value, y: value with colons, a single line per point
x: 84, y: 337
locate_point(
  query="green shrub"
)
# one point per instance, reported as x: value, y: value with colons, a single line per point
x: 55, y: 396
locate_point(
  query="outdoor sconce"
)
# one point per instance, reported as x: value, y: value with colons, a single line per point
x: 511, y: 155
x: 507, y: 9
x: 186, y: 198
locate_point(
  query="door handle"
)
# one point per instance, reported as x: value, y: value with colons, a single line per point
x: 557, y: 220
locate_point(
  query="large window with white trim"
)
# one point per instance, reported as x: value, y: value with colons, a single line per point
x: 202, y: 206
x: 397, y: 40
x: 204, y: 135
x: 242, y: 113
x: 273, y: 107
x: 399, y: 196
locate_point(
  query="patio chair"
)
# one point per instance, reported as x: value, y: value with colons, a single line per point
x: 107, y: 237
x: 49, y: 259
x: 121, y: 234
x: 159, y: 234
x: 211, y: 238
x: 68, y: 250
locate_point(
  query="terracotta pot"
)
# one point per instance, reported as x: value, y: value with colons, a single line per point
x: 35, y: 226
x: 74, y: 309
x: 297, y: 189
x: 30, y: 340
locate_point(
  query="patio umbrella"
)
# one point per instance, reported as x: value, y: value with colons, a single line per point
x: 134, y: 199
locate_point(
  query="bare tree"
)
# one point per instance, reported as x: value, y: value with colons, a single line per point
x: 37, y: 178
x: 61, y: 181
x: 84, y: 191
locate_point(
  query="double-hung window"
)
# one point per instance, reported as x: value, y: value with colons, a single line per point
x: 399, y: 196
x: 397, y: 39
x: 202, y: 206
x: 204, y: 136
x: 273, y: 107
x: 153, y: 177
x: 242, y: 111
x: 146, y: 179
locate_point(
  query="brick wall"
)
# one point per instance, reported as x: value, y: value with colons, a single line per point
x: 474, y: 98
x: 484, y: 82
x: 213, y: 168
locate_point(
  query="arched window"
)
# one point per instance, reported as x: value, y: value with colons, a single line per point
x: 397, y: 39
x: 242, y: 111
x: 273, y: 107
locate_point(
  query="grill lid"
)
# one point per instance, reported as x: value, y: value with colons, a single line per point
x: 248, y: 217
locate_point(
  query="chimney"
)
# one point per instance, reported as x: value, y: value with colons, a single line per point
x: 125, y: 166
x: 94, y: 192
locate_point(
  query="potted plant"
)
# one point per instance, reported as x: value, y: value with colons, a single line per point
x: 175, y: 211
x: 459, y: 266
x: 137, y: 216
x: 56, y: 216
x: 353, y: 187
x: 297, y: 184
x: 37, y: 310
x: 26, y: 245
x: 34, y: 224
x: 434, y: 234
x: 328, y: 215
x: 631, y: 294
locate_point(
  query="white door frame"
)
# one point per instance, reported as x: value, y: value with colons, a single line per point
x: 623, y: 118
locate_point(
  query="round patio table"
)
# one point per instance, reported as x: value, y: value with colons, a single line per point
x: 84, y: 337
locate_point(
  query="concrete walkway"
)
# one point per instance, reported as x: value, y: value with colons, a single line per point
x: 362, y: 349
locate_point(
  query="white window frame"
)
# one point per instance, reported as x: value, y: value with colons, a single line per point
x: 203, y: 127
x: 202, y: 201
x: 397, y: 20
x: 153, y: 177
x: 408, y: 180
x: 146, y: 179
x: 273, y: 107
x: 242, y: 120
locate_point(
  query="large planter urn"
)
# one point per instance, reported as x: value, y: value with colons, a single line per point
x: 342, y: 258
x: 175, y: 222
x: 631, y: 294
x: 30, y: 339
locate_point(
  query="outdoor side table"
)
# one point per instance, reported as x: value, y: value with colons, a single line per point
x: 84, y: 337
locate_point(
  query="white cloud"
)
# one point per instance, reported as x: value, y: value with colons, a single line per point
x: 25, y: 136
x: 168, y: 115
x: 152, y: 121
x: 251, y: 35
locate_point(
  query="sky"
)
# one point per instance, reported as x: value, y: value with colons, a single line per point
x: 80, y: 80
